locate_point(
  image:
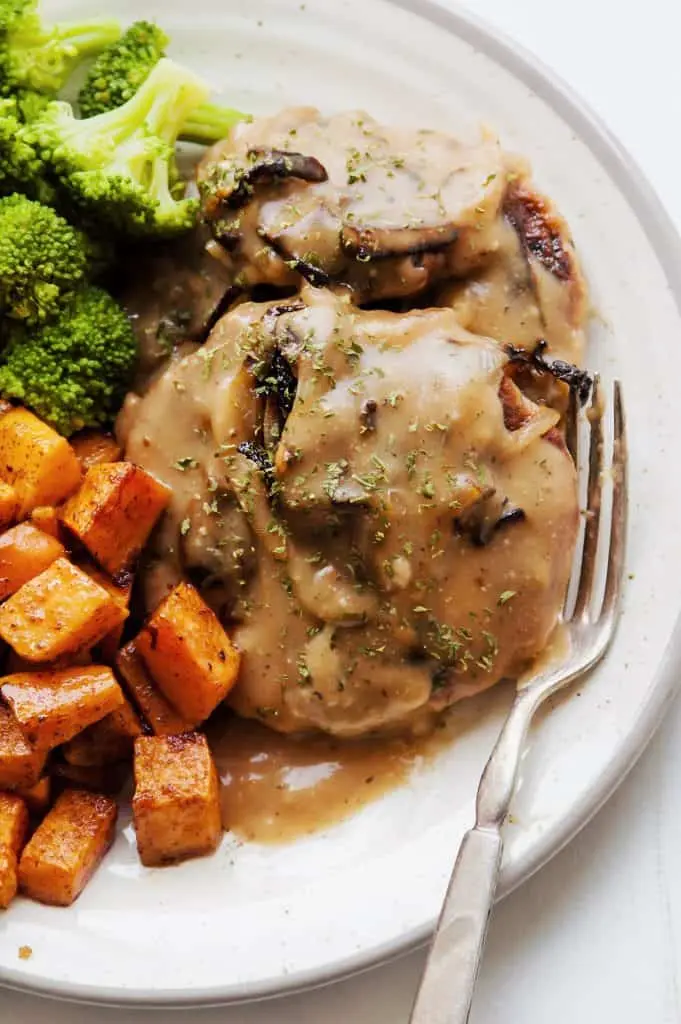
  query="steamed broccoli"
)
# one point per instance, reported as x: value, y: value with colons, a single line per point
x: 119, y: 167
x: 39, y: 56
x: 42, y: 260
x: 123, y: 66
x: 21, y: 168
x: 75, y: 370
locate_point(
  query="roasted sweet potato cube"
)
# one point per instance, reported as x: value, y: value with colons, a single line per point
x: 9, y: 503
x: 190, y: 657
x: 52, y: 707
x: 25, y: 551
x: 107, y: 741
x: 13, y: 822
x: 46, y: 518
x: 9, y: 880
x: 37, y: 797
x: 67, y: 846
x: 93, y: 447
x: 61, y: 611
x: 114, y: 511
x: 13, y: 829
x: 120, y: 588
x: 36, y: 461
x: 176, y: 806
x: 20, y: 762
x: 157, y: 712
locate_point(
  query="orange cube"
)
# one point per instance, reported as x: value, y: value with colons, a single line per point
x: 114, y: 512
x: 190, y: 657
x: 176, y: 806
x: 13, y: 829
x: 9, y: 503
x: 13, y: 821
x: 93, y: 447
x: 160, y: 716
x: 120, y: 589
x: 51, y: 707
x: 61, y: 611
x: 37, y: 462
x: 67, y: 847
x: 25, y: 551
x: 46, y: 518
x: 107, y: 741
x: 20, y: 762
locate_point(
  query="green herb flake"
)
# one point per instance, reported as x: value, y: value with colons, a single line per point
x: 185, y: 463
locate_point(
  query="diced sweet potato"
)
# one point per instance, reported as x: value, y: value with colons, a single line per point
x: 190, y: 657
x: 93, y: 447
x: 120, y: 588
x: 107, y: 741
x: 157, y: 712
x: 61, y: 611
x: 20, y: 762
x: 176, y: 806
x: 9, y: 503
x: 13, y: 829
x: 9, y: 882
x: 25, y: 551
x: 37, y: 797
x: 39, y: 463
x: 52, y: 707
x: 67, y: 846
x: 114, y: 511
x: 13, y: 822
x: 46, y: 518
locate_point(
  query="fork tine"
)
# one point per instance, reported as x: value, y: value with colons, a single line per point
x: 618, y: 525
x: 593, y: 505
x: 572, y: 427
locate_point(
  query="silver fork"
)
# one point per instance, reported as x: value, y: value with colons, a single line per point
x: 446, y: 989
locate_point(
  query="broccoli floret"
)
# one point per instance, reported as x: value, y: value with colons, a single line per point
x: 42, y: 260
x: 119, y: 167
x: 123, y: 66
x: 40, y: 56
x: 21, y: 168
x: 73, y: 371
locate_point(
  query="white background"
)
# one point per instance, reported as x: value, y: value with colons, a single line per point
x: 595, y: 938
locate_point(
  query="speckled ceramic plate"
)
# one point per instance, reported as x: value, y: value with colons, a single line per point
x: 254, y: 921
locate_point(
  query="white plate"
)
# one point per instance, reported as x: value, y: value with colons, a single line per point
x: 254, y: 921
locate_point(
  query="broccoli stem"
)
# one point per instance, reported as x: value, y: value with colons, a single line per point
x: 172, y: 100
x: 210, y: 122
x: 45, y: 55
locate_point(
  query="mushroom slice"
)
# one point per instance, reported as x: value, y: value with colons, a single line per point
x: 236, y: 185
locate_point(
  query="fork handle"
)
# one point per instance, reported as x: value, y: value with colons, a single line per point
x: 446, y: 990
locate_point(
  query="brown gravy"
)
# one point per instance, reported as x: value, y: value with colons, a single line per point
x: 276, y: 788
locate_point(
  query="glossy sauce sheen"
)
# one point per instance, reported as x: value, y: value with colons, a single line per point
x: 276, y: 788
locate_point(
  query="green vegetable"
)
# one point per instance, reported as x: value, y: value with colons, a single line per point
x: 123, y: 66
x: 21, y: 168
x: 73, y: 371
x: 42, y: 259
x: 119, y: 167
x: 39, y: 56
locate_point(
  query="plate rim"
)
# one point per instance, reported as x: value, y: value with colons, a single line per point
x: 656, y: 223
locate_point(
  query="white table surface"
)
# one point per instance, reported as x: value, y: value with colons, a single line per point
x: 595, y: 937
